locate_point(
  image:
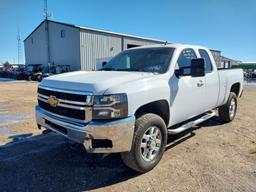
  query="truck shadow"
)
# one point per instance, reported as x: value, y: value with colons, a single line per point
x: 46, y: 162
x: 174, y: 140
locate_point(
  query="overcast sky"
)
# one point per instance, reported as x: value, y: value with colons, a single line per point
x: 227, y: 25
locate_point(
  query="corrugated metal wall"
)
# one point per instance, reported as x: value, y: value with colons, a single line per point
x: 97, y: 46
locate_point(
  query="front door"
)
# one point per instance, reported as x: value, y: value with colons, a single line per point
x: 187, y: 92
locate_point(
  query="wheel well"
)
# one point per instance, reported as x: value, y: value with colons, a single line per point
x: 235, y: 88
x: 160, y: 108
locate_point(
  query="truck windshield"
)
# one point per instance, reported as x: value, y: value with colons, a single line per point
x: 154, y: 60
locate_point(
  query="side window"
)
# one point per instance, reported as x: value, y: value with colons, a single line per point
x: 185, y: 60
x: 207, y: 60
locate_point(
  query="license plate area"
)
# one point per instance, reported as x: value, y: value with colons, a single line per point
x: 57, y: 127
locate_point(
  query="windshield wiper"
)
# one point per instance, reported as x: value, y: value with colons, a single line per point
x: 107, y: 69
x: 128, y: 69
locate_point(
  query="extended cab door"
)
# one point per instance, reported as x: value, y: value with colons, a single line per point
x: 211, y: 88
x: 187, y: 93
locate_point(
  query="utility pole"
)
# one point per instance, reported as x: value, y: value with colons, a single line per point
x: 46, y: 13
x: 19, y: 45
x: 46, y: 16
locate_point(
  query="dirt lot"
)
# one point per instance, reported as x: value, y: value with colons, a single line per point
x: 211, y: 157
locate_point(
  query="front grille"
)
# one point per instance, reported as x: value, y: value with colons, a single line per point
x: 63, y: 111
x: 70, y: 105
x: 62, y: 95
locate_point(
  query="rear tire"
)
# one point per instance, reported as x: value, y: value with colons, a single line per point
x: 227, y: 112
x: 149, y: 142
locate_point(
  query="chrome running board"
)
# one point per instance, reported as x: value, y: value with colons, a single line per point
x: 190, y: 124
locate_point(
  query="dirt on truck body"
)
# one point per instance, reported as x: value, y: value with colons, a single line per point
x: 210, y: 157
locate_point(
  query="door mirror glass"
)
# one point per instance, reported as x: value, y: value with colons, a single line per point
x: 183, y: 71
x: 197, y: 67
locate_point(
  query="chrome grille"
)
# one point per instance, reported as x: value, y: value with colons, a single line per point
x: 70, y: 104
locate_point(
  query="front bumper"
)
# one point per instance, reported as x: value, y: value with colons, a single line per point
x: 97, y: 137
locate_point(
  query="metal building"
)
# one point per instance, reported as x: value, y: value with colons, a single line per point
x: 56, y: 43
x: 83, y: 48
x: 228, y: 63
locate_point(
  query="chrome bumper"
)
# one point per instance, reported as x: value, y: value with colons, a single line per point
x: 117, y: 134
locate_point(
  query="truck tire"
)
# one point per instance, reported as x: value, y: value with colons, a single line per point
x: 227, y: 112
x: 149, y: 142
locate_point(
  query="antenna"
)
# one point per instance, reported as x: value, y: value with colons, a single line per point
x: 19, y: 44
x: 46, y: 13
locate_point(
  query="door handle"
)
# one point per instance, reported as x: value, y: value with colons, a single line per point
x: 200, y: 83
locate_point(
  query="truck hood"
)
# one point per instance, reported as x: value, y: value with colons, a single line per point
x: 96, y: 82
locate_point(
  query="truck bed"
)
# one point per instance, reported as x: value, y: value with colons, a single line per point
x: 227, y: 78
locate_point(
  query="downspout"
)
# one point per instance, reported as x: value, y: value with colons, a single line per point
x: 122, y: 43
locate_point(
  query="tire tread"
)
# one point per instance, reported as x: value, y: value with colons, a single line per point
x: 129, y: 158
x: 224, y: 109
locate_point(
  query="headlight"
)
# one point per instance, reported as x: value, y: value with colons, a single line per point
x: 110, y: 106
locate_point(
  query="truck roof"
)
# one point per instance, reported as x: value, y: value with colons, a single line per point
x: 173, y: 45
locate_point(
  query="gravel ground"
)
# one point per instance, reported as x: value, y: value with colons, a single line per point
x: 211, y: 157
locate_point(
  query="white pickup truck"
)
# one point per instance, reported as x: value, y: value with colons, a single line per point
x: 137, y: 99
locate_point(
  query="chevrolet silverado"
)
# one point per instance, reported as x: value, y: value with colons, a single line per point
x: 137, y: 99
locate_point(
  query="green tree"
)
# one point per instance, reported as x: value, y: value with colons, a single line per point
x: 7, y: 65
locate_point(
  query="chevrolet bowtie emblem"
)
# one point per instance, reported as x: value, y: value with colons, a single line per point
x: 53, y: 101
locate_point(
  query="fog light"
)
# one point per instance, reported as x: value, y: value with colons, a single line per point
x: 103, y: 113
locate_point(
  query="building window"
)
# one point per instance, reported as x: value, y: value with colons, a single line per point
x: 62, y: 33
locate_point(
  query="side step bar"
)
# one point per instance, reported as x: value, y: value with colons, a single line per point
x: 192, y: 123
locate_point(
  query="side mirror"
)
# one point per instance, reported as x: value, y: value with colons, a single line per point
x: 197, y: 67
x: 179, y: 72
x: 104, y: 63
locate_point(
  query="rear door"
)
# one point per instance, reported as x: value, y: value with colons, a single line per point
x: 211, y: 88
x: 188, y: 94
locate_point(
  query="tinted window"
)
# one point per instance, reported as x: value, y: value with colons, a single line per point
x: 185, y: 59
x: 207, y: 60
